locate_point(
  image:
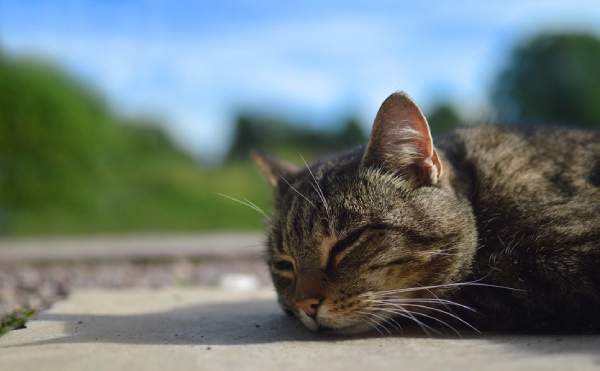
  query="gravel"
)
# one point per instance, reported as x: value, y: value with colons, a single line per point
x: 37, y: 285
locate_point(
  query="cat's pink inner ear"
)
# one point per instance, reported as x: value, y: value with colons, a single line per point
x: 272, y: 169
x: 401, y: 140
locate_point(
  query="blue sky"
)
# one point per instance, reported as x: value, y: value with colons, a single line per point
x: 193, y: 63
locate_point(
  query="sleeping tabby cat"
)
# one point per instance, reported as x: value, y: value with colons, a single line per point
x: 495, y: 228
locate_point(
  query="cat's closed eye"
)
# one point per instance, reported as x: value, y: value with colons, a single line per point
x: 283, y: 266
x: 393, y: 263
x: 343, y: 247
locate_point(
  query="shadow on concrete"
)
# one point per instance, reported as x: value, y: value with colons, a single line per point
x: 230, y: 323
x: 259, y: 322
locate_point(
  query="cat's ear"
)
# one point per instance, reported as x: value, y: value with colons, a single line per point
x: 401, y: 141
x: 273, y: 169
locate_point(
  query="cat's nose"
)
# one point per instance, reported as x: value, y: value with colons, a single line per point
x: 309, y: 306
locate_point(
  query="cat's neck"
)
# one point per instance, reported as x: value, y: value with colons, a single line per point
x: 458, y: 175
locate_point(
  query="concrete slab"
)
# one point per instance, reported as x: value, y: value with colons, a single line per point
x: 129, y: 247
x: 211, y: 329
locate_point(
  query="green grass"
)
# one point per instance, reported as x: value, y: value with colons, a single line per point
x: 69, y: 164
x: 15, y: 320
x: 157, y: 196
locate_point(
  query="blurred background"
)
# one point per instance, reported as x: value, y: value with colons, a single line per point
x: 122, y: 123
x: 129, y: 117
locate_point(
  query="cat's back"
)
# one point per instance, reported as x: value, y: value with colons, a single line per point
x: 541, y: 165
x: 546, y: 180
x: 555, y: 160
x: 533, y: 170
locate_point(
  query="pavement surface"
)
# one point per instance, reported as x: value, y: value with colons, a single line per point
x: 227, y: 329
x: 131, y: 247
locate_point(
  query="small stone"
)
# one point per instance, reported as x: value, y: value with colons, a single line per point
x: 208, y: 348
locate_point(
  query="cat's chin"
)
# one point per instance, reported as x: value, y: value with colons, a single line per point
x: 308, y: 322
x: 352, y: 329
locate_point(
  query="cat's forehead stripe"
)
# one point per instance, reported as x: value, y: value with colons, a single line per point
x: 324, y: 249
x: 278, y: 245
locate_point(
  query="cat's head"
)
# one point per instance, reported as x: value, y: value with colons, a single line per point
x: 351, y: 233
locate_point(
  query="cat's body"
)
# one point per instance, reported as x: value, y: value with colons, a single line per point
x: 505, y: 221
x: 535, y: 194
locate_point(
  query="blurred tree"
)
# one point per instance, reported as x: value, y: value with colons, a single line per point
x: 279, y: 136
x: 551, y: 78
x: 250, y: 132
x: 443, y: 118
x: 351, y: 133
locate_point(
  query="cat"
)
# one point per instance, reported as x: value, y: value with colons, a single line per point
x: 493, y: 229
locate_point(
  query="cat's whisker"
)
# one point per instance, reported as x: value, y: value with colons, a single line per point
x: 426, y: 316
x: 436, y: 310
x: 406, y: 314
x: 383, y: 322
x: 392, y: 322
x: 432, y: 301
x: 370, y: 323
x: 366, y: 316
x: 439, y: 321
x: 441, y: 253
x: 445, y: 302
x: 401, y: 303
x: 455, y: 284
x: 298, y: 192
x: 450, y: 301
x: 377, y: 306
x: 376, y: 325
x: 318, y: 189
x: 399, y: 326
x: 395, y: 323
x: 246, y: 203
x: 255, y: 205
x: 446, y: 313
x: 444, y: 250
x: 371, y: 316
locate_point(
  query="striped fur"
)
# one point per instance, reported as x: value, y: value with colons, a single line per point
x: 517, y: 208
